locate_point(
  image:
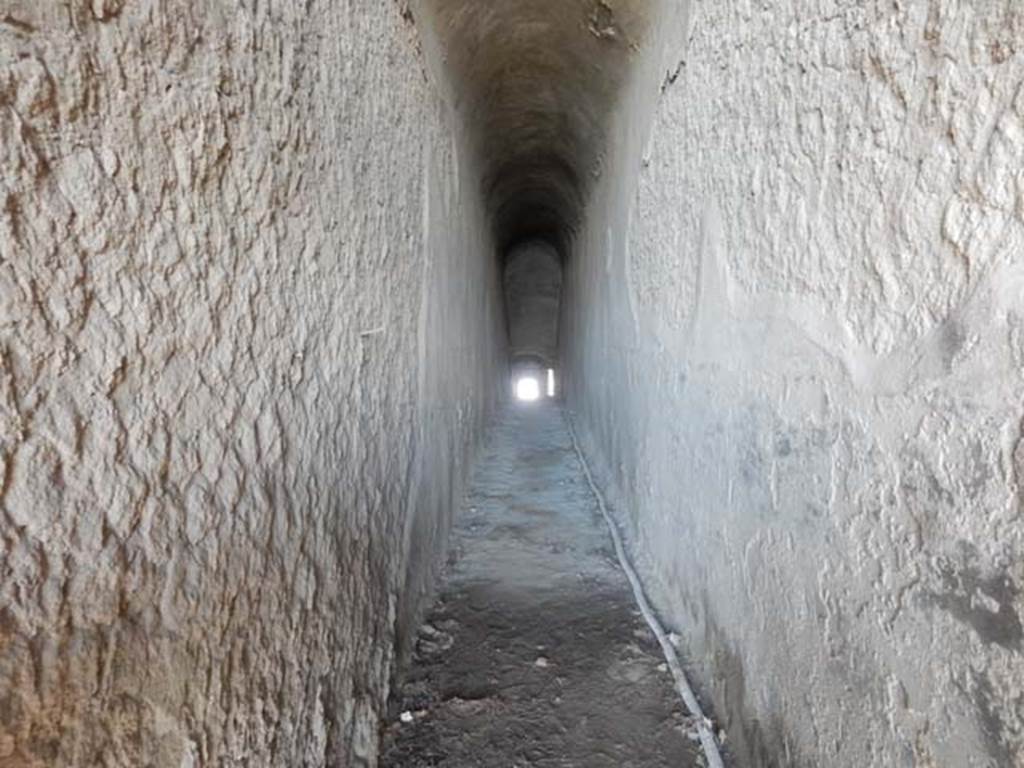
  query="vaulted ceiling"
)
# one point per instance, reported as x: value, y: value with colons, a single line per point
x: 536, y: 81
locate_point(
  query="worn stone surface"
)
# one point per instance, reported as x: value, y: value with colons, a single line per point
x: 248, y: 331
x: 535, y: 653
x: 796, y: 341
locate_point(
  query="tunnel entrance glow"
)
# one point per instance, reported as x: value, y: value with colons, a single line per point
x: 527, y: 389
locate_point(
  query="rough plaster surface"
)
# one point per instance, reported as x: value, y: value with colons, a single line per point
x: 535, y: 654
x: 795, y: 328
x: 247, y: 337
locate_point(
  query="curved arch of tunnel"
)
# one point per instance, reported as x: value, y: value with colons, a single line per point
x: 536, y: 84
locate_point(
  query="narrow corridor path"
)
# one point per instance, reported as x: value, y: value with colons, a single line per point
x: 535, y: 654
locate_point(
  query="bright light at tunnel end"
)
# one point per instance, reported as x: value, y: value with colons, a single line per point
x: 527, y: 389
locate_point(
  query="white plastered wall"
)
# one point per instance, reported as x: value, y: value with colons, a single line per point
x: 795, y: 343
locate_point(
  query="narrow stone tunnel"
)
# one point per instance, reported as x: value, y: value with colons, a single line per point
x: 270, y: 272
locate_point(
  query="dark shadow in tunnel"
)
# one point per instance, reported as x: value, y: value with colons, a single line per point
x: 532, y: 283
x: 535, y: 83
x: 538, y: 80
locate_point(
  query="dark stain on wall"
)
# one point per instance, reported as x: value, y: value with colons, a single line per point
x: 750, y: 740
x: 985, y: 604
x: 991, y: 723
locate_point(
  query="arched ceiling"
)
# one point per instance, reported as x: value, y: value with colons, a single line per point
x: 536, y: 80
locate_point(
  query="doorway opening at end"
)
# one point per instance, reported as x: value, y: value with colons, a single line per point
x: 527, y: 389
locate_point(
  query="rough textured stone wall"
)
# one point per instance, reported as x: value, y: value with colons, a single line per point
x: 796, y: 329
x: 249, y: 327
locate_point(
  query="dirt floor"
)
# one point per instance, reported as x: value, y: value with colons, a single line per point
x: 535, y: 654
